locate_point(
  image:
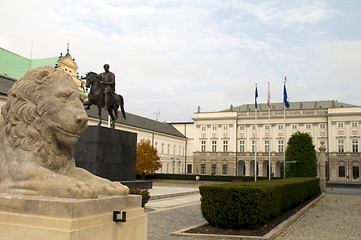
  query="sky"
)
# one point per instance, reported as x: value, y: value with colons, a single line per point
x: 169, y: 57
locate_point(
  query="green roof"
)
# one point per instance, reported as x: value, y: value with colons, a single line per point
x: 15, y: 66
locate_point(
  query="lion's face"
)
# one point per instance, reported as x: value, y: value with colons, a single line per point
x: 62, y: 110
x: 44, y: 114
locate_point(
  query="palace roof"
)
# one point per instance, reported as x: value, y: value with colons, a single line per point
x: 14, y: 66
x: 305, y: 105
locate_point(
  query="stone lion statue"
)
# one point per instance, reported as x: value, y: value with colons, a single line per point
x: 40, y: 123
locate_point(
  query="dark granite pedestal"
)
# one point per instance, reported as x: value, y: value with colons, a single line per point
x: 111, y: 154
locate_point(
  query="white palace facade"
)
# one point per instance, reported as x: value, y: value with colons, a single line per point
x: 225, y: 142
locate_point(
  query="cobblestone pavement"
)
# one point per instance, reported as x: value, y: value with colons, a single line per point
x: 162, y: 224
x: 333, y: 217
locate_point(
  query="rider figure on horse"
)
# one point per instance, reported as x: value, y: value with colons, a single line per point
x: 102, y: 94
x: 108, y: 80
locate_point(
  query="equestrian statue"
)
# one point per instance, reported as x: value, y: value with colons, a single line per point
x: 102, y: 93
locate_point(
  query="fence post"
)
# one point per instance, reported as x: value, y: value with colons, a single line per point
x: 322, y: 166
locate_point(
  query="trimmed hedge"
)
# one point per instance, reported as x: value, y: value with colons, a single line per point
x: 251, y: 204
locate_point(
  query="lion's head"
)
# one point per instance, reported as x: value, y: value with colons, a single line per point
x: 44, y: 114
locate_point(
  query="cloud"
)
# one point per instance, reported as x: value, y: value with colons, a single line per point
x: 335, y: 70
x: 285, y: 15
x: 176, y: 55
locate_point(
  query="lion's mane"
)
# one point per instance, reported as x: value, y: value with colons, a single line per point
x: 24, y: 126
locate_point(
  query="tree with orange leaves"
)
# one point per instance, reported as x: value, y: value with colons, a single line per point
x: 147, y: 159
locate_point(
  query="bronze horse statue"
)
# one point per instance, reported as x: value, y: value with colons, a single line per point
x: 96, y: 97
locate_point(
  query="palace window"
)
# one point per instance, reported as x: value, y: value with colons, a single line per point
x: 225, y: 127
x: 341, y: 171
x: 214, y: 127
x: 203, y: 146
x: 280, y: 146
x: 254, y: 127
x: 189, y: 168
x: 340, y: 124
x: 241, y: 146
x: 294, y: 126
x: 354, y: 124
x: 241, y: 128
x: 203, y: 128
x: 253, y: 146
x: 280, y: 127
x: 225, y: 146
x: 266, y: 127
x: 323, y: 125
x: 266, y: 146
x: 355, y: 172
x: 308, y: 126
x: 203, y: 168
x: 162, y: 148
x: 213, y: 169
x: 340, y: 145
x: 354, y: 145
x: 224, y: 169
x: 214, y: 146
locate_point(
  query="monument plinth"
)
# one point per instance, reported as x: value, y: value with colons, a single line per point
x: 43, y: 218
x: 111, y: 154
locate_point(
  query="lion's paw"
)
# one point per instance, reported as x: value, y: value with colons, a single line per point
x: 81, y: 190
x: 62, y: 187
x: 113, y: 188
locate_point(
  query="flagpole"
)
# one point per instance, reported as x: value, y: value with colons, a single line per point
x: 284, y: 139
x: 255, y: 144
x: 286, y: 104
x: 269, y: 133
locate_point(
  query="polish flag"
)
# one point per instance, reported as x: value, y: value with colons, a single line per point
x: 269, y: 98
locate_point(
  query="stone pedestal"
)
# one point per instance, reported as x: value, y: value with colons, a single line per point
x: 44, y: 218
x: 322, y: 167
x: 109, y: 153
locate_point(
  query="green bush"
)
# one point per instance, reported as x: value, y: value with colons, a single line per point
x: 301, y: 158
x: 251, y: 204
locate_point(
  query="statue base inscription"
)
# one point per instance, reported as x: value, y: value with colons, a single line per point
x: 43, y: 218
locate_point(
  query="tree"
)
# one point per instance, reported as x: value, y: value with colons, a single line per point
x: 147, y: 159
x: 301, y: 158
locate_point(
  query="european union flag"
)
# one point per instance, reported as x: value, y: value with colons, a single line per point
x: 287, y: 104
x: 255, y: 98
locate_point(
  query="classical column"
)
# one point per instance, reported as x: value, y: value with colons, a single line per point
x: 273, y: 169
x: 322, y: 166
x: 248, y: 168
x: 260, y: 168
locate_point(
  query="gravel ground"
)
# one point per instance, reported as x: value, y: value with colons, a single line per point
x: 333, y: 217
x: 162, y: 224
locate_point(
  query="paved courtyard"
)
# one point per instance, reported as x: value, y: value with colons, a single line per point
x: 335, y: 216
